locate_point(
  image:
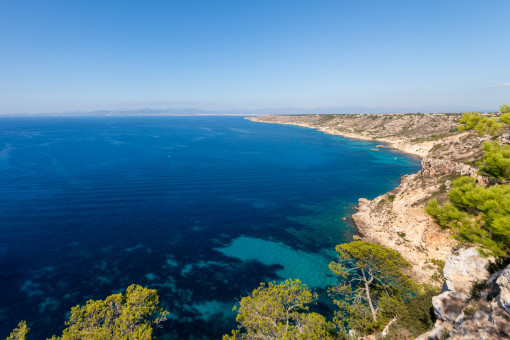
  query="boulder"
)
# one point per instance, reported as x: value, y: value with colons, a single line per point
x: 462, y: 271
x: 440, y: 331
x: 362, y: 202
x: 503, y: 283
x: 448, y: 305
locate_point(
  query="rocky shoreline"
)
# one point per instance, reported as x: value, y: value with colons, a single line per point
x: 385, y: 220
x: 397, y: 219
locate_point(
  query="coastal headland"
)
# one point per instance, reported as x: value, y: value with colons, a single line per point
x: 397, y: 218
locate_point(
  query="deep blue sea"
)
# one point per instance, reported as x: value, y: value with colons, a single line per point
x: 202, y: 209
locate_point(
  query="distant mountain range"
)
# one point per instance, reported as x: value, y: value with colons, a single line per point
x: 251, y: 112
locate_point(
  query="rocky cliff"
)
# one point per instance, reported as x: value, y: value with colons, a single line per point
x: 473, y: 304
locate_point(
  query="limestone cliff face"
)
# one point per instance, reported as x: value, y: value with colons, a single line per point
x: 434, y: 167
x: 464, y: 314
x: 461, y: 271
x: 403, y: 225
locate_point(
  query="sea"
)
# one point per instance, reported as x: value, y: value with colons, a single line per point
x: 203, y: 209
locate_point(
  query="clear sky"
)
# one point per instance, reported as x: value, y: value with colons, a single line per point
x: 86, y: 55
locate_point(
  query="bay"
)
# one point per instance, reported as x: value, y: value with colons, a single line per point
x: 202, y: 209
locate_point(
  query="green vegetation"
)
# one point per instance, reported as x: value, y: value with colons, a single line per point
x: 119, y: 316
x: 20, y: 332
x: 447, y: 215
x: 505, y: 110
x: 477, y: 289
x: 433, y: 137
x: 436, y: 265
x: 372, y: 286
x: 279, y: 311
x: 324, y: 119
x: 372, y: 290
x: 481, y: 124
x: 129, y: 316
x: 478, y: 214
x: 496, y: 160
x: 419, y: 318
x: 435, y: 148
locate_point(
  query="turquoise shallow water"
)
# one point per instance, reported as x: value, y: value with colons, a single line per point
x: 201, y: 208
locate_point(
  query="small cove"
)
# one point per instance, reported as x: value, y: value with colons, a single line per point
x: 201, y: 208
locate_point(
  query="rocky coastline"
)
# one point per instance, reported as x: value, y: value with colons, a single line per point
x: 386, y: 220
x: 397, y: 219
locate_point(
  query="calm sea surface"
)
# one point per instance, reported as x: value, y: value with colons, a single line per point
x: 202, y: 209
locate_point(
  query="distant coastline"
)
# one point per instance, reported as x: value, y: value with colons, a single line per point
x: 399, y: 144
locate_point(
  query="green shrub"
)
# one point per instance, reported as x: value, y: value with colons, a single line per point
x: 447, y: 215
x: 496, y: 160
x: 381, y: 203
x: 465, y: 194
x: 505, y: 110
x: 480, y: 215
x: 482, y: 125
x: 436, y: 147
x: 20, y: 332
x: 505, y: 118
x: 120, y: 316
x: 372, y: 288
x: 477, y: 214
x: 420, y: 316
x: 477, y: 288
x: 438, y: 267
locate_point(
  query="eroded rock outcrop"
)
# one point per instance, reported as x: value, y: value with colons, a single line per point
x: 485, y: 317
x: 464, y: 269
x: 503, y: 283
x: 397, y: 220
x: 461, y: 271
x: 433, y: 167
x: 462, y: 311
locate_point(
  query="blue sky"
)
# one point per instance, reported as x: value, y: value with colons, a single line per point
x: 418, y: 55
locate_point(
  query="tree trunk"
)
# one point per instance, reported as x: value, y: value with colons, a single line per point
x: 367, y: 289
x: 387, y: 327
